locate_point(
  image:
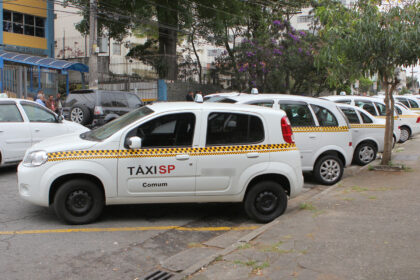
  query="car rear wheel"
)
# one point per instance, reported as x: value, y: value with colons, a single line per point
x: 405, y: 134
x: 365, y: 153
x: 78, y: 201
x: 328, y: 170
x: 80, y: 114
x: 265, y: 201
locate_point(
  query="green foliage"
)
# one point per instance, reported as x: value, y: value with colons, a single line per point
x: 365, y: 84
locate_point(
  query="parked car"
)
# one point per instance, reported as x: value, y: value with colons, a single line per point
x: 24, y: 123
x: 367, y: 133
x: 168, y: 153
x: 97, y: 107
x: 411, y: 102
x: 408, y: 120
x: 320, y: 128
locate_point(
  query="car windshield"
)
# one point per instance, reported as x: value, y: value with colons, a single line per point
x: 110, y: 128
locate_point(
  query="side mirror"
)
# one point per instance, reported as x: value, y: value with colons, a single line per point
x: 134, y: 143
x: 60, y: 118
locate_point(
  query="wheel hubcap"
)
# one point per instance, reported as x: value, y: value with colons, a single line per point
x: 266, y: 202
x: 79, y: 202
x: 404, y: 135
x: 330, y: 170
x: 76, y: 115
x: 366, y: 154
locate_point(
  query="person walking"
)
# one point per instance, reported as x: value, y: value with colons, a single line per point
x: 190, y: 96
x: 51, y: 103
x: 40, y: 98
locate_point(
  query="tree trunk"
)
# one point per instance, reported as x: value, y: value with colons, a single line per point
x: 389, y: 124
x: 200, y: 68
x: 168, y: 36
x: 236, y: 81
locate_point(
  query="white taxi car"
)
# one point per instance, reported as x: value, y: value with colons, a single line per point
x: 410, y: 102
x: 321, y: 130
x: 367, y: 133
x: 408, y: 120
x: 167, y: 153
x: 24, y: 123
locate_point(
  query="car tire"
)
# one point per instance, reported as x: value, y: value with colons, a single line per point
x: 78, y: 202
x: 405, y: 134
x: 265, y: 201
x: 80, y: 114
x: 328, y: 170
x: 364, y: 153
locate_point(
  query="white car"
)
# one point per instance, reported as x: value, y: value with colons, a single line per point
x: 410, y: 101
x: 321, y: 130
x: 367, y: 132
x: 168, y: 153
x: 408, y: 120
x: 24, y: 123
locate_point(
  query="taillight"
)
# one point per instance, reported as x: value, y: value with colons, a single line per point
x: 286, y: 129
x: 98, y: 110
x: 418, y: 120
x: 350, y: 144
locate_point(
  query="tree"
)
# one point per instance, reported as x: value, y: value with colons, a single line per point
x: 366, y: 40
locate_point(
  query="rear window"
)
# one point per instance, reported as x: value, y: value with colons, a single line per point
x: 366, y: 105
x: 381, y: 109
x: 351, y: 115
x: 403, y: 101
x: 219, y: 99
x: 324, y: 116
x: 365, y: 118
x: 298, y: 114
x: 413, y: 104
x: 233, y: 129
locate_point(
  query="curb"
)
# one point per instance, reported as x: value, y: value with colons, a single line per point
x: 253, y: 234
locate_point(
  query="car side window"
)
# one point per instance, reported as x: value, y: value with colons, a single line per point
x: 403, y: 101
x: 36, y: 113
x: 413, y: 104
x: 298, y: 114
x: 381, y: 109
x: 133, y: 100
x: 175, y: 130
x: 399, y: 111
x: 366, y: 105
x: 234, y: 129
x: 346, y: 101
x: 324, y: 116
x: 265, y: 103
x: 10, y: 113
x: 119, y: 100
x: 365, y: 118
x: 351, y: 115
x: 106, y: 99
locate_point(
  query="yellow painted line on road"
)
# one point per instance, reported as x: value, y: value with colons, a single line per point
x: 70, y: 230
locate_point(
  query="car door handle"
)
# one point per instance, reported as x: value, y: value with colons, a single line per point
x: 182, y: 157
x: 37, y: 130
x: 252, y: 155
x: 312, y: 136
x: 356, y: 130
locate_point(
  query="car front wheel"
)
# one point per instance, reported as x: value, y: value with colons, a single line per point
x: 265, y: 201
x: 328, y: 170
x: 405, y: 134
x: 78, y: 201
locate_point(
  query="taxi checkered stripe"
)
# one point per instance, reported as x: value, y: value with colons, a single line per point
x: 320, y: 129
x: 168, y: 152
x: 409, y: 116
x: 367, y: 125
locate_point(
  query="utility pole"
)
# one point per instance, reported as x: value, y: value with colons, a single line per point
x: 93, y: 57
x: 413, y: 85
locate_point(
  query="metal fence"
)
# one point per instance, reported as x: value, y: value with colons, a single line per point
x: 147, y: 90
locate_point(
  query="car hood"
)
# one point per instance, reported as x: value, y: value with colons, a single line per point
x: 66, y: 142
x: 74, y: 127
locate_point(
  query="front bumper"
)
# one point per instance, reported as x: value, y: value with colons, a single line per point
x: 30, y: 186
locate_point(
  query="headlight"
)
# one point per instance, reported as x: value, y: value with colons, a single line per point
x: 36, y: 158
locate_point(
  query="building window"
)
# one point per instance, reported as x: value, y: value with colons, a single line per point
x: 304, y: 19
x: 116, y: 49
x: 19, y: 23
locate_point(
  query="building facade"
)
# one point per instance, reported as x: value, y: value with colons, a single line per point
x: 27, y: 26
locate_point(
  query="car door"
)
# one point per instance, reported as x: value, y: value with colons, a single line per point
x: 304, y: 129
x: 357, y: 129
x: 164, y: 165
x: 15, y: 134
x: 42, y: 122
x: 230, y: 149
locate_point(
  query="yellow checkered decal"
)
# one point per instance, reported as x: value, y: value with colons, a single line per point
x: 384, y: 117
x: 415, y: 109
x: 169, y: 152
x: 367, y: 126
x: 320, y: 129
x: 408, y: 116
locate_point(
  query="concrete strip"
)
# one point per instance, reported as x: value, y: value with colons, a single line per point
x: 187, y: 258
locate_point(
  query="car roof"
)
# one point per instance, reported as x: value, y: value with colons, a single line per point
x: 16, y: 100
x: 179, y: 106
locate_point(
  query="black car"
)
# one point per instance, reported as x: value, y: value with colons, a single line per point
x: 97, y: 107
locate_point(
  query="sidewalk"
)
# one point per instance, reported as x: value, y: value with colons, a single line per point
x: 365, y: 227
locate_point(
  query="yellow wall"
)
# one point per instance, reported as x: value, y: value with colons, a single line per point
x: 24, y: 40
x: 31, y: 7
